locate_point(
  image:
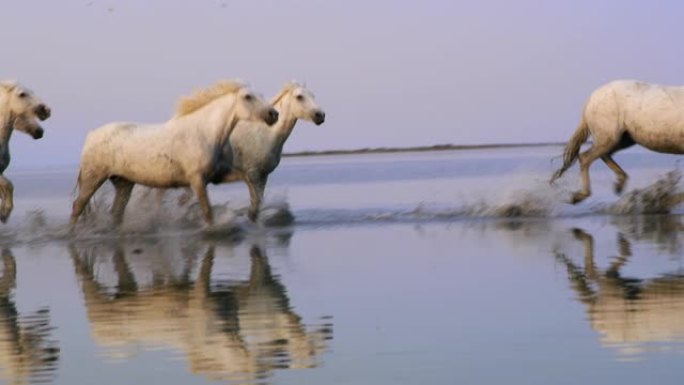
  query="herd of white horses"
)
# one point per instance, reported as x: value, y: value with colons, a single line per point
x: 227, y: 132
x: 219, y: 134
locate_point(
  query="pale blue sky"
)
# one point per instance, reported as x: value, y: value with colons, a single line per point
x: 388, y: 73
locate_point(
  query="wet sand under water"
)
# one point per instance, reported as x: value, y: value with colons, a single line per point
x: 397, y: 269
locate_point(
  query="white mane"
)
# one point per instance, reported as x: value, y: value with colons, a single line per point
x: 200, y: 98
x: 287, y: 88
x: 8, y: 85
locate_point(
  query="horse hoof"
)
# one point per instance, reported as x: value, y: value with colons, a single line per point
x: 577, y: 198
x: 4, y: 215
x: 252, y: 217
x: 618, y: 188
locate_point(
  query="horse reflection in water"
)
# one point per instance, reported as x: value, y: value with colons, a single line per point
x: 27, y: 354
x: 227, y: 330
x: 632, y: 314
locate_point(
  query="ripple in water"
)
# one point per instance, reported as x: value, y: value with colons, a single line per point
x: 28, y: 352
x: 633, y: 315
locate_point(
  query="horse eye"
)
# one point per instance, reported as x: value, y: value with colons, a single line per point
x: 249, y: 97
x: 300, y: 98
x: 23, y: 94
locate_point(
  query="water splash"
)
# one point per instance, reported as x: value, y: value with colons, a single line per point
x: 659, y: 197
x: 526, y: 196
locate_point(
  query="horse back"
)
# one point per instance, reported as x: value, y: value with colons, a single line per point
x: 652, y: 114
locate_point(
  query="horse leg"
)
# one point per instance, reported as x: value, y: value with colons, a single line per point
x: 123, y: 188
x: 585, y: 160
x: 86, y: 190
x: 7, y: 196
x: 256, y: 184
x: 625, y: 141
x: 619, y: 173
x: 199, y: 187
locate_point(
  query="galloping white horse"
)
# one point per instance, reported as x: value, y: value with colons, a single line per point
x: 184, y: 151
x: 253, y: 151
x: 619, y: 115
x: 20, y: 109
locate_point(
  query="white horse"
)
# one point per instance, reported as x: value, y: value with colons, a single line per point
x: 20, y: 109
x: 254, y: 149
x: 184, y: 151
x: 619, y: 115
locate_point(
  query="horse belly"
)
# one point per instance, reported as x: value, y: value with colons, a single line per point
x: 660, y: 137
x: 150, y: 173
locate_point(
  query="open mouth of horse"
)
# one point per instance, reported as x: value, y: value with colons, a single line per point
x: 42, y: 112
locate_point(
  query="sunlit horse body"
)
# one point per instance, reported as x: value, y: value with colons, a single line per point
x: 20, y: 110
x: 184, y: 151
x: 619, y: 115
x: 254, y: 149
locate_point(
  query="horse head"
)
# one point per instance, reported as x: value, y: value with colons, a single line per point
x: 25, y: 108
x: 252, y: 106
x: 302, y: 103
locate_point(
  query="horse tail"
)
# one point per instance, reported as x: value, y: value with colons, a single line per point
x: 77, y: 185
x: 571, y: 152
x: 75, y: 191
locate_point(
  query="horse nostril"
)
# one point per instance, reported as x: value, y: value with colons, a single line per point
x: 273, y: 115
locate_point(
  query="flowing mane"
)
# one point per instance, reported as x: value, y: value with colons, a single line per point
x: 286, y: 89
x: 200, y: 98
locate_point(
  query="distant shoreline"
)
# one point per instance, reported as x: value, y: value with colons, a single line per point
x: 437, y: 147
x: 358, y: 151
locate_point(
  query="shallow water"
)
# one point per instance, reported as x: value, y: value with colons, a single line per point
x: 436, y: 268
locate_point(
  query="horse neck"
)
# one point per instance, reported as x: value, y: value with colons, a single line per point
x: 283, y: 128
x: 214, y: 122
x: 6, y: 125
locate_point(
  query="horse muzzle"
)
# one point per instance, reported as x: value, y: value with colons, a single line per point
x: 42, y: 112
x: 318, y: 117
x: 271, y: 116
x: 38, y: 133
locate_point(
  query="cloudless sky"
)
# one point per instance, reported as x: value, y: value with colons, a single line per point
x: 388, y: 73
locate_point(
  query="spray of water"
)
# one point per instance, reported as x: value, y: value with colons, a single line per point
x: 521, y: 196
x: 660, y: 197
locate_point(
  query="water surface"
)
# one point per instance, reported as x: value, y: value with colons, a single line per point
x: 440, y: 268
